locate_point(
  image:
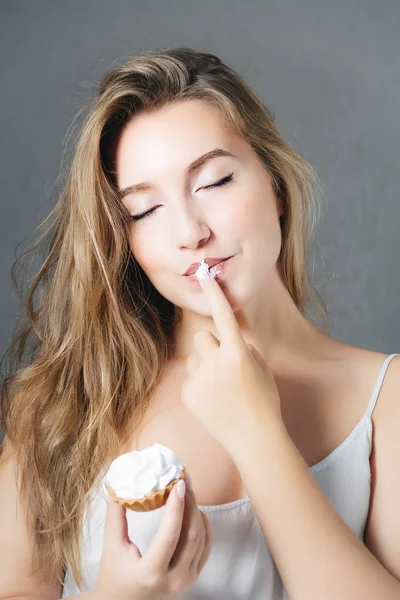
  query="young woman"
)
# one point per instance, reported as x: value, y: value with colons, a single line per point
x: 295, y: 466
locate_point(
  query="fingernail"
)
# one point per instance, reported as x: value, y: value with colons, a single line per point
x: 181, y: 488
x: 189, y: 482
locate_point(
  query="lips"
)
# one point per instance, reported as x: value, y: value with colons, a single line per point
x: 211, y: 262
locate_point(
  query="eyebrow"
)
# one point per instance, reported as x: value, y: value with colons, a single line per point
x: 194, y: 166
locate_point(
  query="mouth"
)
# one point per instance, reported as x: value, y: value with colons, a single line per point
x: 221, y: 268
x: 211, y: 262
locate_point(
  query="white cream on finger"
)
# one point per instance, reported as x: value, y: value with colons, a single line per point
x: 203, y: 272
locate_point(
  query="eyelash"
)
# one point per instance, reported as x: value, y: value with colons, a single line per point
x: 219, y: 183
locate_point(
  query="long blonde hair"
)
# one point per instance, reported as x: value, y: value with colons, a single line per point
x: 94, y: 334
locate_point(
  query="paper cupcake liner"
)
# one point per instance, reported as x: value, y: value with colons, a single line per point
x: 156, y: 500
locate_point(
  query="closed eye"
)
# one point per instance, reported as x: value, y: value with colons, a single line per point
x: 219, y: 183
x: 223, y: 181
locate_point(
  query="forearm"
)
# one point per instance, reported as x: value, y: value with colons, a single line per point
x: 317, y: 554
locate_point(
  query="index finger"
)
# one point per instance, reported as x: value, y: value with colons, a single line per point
x: 224, y: 318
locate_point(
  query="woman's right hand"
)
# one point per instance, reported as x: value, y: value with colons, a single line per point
x: 173, y: 562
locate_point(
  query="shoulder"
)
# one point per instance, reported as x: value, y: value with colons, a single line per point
x: 382, y: 531
x: 358, y: 372
x: 369, y: 365
x: 352, y: 374
x: 386, y: 420
x: 361, y: 369
x: 366, y: 366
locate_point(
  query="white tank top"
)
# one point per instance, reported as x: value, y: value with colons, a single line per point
x: 240, y: 565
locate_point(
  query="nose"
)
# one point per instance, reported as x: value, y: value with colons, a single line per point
x: 189, y: 228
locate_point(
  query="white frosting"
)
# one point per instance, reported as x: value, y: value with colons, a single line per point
x: 140, y: 473
x: 203, y: 272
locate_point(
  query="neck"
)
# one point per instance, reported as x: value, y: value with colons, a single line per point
x: 270, y: 321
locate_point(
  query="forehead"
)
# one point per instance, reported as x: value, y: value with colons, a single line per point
x: 166, y: 140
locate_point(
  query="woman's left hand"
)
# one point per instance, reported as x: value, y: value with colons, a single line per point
x: 228, y: 385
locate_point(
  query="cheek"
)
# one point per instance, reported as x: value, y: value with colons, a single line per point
x: 237, y: 219
x: 251, y: 219
x: 146, y: 250
x: 257, y: 229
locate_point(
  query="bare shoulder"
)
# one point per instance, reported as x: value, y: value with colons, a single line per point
x: 386, y: 415
x: 365, y: 366
x: 361, y: 368
x: 382, y: 530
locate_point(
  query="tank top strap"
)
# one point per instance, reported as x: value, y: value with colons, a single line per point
x: 379, y: 383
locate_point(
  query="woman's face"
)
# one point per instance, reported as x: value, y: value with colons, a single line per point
x: 189, y: 222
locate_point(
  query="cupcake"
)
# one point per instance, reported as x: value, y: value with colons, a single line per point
x: 142, y: 480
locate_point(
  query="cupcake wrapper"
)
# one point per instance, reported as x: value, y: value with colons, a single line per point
x: 156, y: 500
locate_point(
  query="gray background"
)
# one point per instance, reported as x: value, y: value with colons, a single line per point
x: 329, y: 71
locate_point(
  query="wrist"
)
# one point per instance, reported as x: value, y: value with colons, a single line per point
x: 260, y: 435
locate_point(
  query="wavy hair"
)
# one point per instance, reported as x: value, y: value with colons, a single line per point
x: 94, y: 334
